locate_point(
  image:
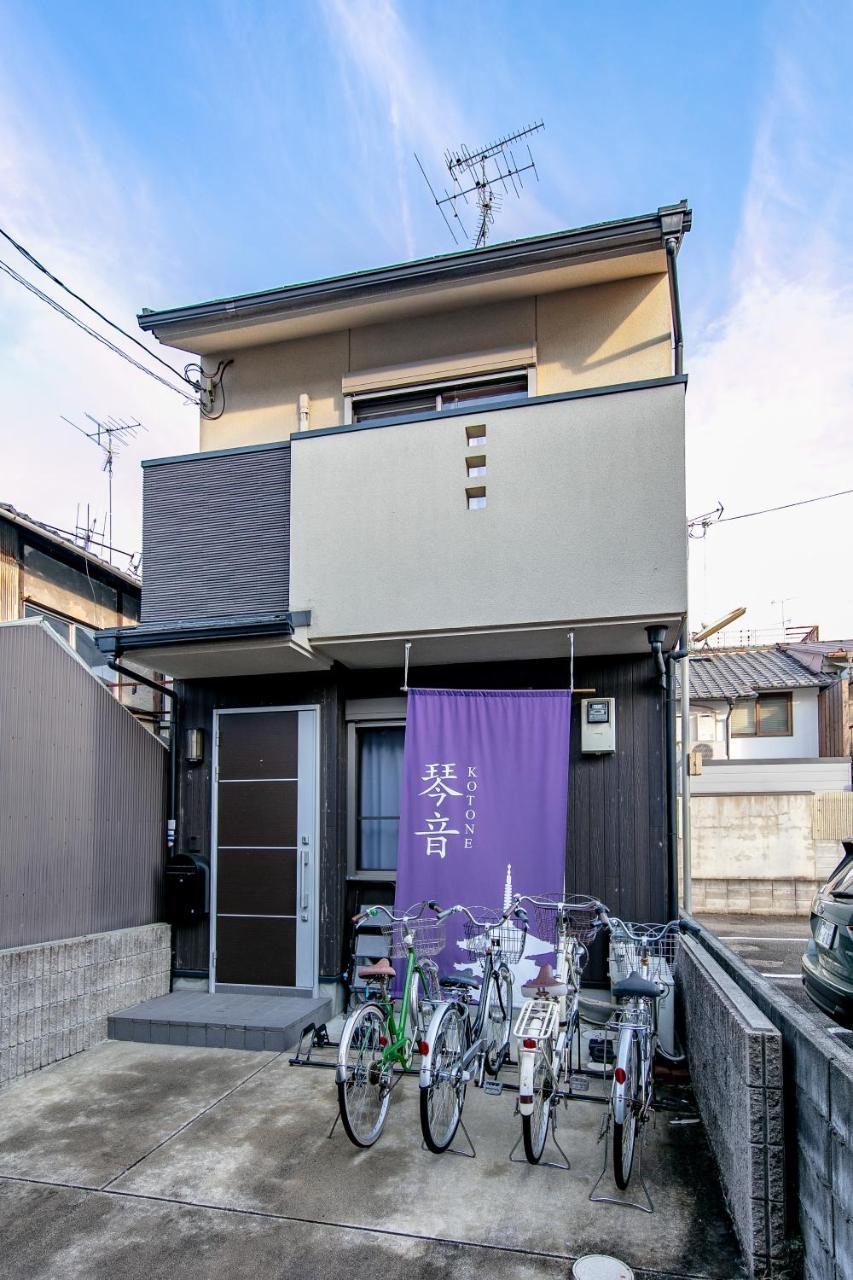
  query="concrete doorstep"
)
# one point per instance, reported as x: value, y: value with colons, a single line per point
x: 154, y: 1160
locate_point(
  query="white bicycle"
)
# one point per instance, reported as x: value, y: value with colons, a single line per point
x: 642, y: 963
x: 547, y: 1025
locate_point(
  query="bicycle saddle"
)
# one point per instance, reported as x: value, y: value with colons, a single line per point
x: 459, y: 980
x: 545, y: 981
x: 636, y: 985
x: 382, y: 969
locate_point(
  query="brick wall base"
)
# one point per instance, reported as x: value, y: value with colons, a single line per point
x: 55, y: 997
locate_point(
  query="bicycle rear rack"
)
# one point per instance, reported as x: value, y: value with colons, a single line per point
x: 538, y: 1020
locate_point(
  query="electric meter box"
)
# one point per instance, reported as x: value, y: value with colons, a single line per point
x: 598, y: 726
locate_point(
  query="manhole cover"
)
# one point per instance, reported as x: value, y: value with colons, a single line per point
x: 600, y: 1266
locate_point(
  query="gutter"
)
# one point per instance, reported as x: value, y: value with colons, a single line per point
x: 114, y: 641
x: 644, y: 233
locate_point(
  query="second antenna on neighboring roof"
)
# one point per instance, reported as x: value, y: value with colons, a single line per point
x: 485, y: 176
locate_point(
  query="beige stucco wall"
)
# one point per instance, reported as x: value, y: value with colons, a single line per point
x: 596, y: 336
x: 584, y: 518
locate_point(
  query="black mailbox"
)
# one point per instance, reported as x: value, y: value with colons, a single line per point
x: 187, y: 891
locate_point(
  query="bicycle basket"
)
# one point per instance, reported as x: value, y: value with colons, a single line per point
x: 505, y: 938
x: 648, y: 949
x: 577, y: 916
x: 427, y: 937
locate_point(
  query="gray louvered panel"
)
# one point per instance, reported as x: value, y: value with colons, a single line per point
x: 216, y: 535
x: 82, y: 798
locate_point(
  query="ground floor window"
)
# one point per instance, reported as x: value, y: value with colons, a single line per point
x: 378, y: 778
x: 770, y: 715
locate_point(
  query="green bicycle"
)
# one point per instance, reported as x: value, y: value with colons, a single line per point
x: 377, y: 1044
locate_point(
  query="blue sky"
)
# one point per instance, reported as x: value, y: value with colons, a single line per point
x: 166, y: 153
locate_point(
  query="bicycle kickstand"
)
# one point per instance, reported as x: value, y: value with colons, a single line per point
x: 627, y: 1204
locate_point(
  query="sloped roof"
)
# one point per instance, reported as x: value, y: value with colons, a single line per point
x: 742, y: 673
x: 61, y: 539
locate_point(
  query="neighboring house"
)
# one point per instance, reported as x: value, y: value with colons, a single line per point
x: 476, y: 454
x: 46, y: 575
x: 769, y: 807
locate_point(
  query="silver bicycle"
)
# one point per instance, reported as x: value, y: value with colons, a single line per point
x: 458, y: 1049
x: 643, y: 959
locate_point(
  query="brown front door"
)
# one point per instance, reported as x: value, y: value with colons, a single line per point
x: 264, y: 849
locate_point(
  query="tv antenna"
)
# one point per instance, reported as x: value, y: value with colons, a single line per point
x: 485, y: 176
x: 109, y: 435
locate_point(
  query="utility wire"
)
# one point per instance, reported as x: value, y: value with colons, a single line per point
x: 804, y: 502
x: 712, y: 518
x: 152, y: 355
x: 93, y: 333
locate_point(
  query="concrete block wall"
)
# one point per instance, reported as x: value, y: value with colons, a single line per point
x: 779, y: 897
x: 735, y: 1056
x: 56, y: 997
x: 818, y: 1124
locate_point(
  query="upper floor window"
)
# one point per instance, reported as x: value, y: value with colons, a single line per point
x: 489, y: 391
x: 770, y: 715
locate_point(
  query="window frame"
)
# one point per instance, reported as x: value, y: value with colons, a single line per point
x: 365, y: 721
x: 787, y: 732
x: 522, y: 372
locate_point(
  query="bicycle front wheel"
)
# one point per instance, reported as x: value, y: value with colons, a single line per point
x: 625, y: 1133
x: 498, y: 1025
x: 443, y: 1097
x: 534, y: 1128
x: 364, y: 1079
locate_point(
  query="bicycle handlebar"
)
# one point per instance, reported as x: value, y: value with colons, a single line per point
x: 370, y: 912
x: 512, y: 910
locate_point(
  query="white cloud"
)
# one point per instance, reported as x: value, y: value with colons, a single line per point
x: 77, y: 202
x: 395, y: 93
x: 771, y: 383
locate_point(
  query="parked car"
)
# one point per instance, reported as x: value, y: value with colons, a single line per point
x: 828, y: 961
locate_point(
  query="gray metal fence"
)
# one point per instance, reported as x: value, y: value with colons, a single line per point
x: 82, y: 798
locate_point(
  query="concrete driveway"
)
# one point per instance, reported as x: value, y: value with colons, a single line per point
x: 139, y: 1160
x: 774, y: 945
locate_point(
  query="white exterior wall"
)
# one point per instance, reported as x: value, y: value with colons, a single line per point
x: 585, y: 518
x: 802, y: 742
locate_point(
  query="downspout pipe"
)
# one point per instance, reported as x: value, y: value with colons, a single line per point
x: 666, y: 668
x: 171, y: 799
x: 671, y: 246
x: 674, y: 655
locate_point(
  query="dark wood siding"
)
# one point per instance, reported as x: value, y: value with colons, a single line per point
x: 616, y: 844
x: 82, y: 798
x: 216, y: 535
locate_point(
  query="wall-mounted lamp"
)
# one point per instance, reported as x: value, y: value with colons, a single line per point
x: 194, y: 746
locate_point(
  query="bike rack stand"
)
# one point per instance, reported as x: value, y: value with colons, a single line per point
x: 627, y: 1204
x: 552, y: 1125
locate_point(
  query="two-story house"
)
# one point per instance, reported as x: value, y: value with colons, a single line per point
x: 475, y: 455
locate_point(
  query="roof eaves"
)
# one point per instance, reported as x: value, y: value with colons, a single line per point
x: 154, y: 635
x: 23, y: 521
x: 603, y: 239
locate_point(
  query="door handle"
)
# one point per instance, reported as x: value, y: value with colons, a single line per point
x: 306, y: 864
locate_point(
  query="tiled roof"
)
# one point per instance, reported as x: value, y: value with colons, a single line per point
x: 742, y: 673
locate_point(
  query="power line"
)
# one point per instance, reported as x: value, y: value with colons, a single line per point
x: 130, y: 337
x: 804, y: 502
x: 93, y: 333
x: 715, y: 517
